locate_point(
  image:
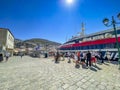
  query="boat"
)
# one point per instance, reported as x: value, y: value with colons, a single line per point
x: 102, y: 41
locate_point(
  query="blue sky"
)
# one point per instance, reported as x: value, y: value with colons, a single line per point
x: 54, y: 19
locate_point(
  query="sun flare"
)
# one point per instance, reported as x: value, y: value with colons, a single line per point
x: 69, y: 1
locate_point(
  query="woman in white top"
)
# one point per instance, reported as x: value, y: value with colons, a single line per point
x: 108, y: 55
x: 76, y: 60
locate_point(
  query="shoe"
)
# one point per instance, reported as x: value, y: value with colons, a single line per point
x: 90, y: 67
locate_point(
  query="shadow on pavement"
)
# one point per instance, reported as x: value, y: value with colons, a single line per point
x: 97, y: 67
x: 53, y: 60
x: 93, y: 69
x: 69, y: 61
x: 84, y: 66
x: 99, y: 62
x: 57, y: 62
x: 114, y: 62
x: 106, y: 64
x: 77, y: 66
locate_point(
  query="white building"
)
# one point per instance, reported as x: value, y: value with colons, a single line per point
x: 6, y: 41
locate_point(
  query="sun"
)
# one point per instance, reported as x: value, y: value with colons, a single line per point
x: 69, y: 1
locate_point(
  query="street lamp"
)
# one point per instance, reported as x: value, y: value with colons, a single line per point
x: 113, y: 23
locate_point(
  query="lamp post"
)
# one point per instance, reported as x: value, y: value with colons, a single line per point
x: 113, y: 23
x: 0, y: 47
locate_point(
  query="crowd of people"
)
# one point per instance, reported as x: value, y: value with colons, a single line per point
x: 7, y: 55
x: 86, y: 58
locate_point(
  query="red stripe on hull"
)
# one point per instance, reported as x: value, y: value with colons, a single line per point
x: 95, y: 42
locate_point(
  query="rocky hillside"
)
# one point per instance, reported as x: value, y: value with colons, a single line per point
x: 33, y: 42
x: 42, y: 41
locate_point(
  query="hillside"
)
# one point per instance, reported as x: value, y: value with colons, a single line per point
x: 41, y: 41
x: 34, y: 42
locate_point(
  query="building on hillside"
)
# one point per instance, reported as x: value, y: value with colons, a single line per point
x: 6, y: 41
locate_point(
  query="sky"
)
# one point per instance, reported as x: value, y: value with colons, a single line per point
x: 55, y: 20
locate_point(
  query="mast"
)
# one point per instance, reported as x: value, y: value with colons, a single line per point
x: 83, y: 29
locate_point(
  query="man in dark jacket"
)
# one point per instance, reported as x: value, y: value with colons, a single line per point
x: 56, y: 57
x: 88, y: 55
x: 101, y: 57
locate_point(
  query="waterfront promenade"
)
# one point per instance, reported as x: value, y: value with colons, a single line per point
x: 43, y: 74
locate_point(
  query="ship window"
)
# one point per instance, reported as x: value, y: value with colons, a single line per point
x: 90, y: 47
x: 81, y: 48
x: 97, y: 46
x: 108, y: 45
x: 111, y: 45
x: 87, y: 47
x: 77, y: 41
x: 76, y: 48
x: 104, y: 46
x: 118, y: 31
x: 93, y: 46
x: 101, y: 46
x: 115, y: 45
x: 73, y: 48
x: 68, y: 48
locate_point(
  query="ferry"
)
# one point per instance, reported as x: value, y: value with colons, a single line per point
x: 100, y: 41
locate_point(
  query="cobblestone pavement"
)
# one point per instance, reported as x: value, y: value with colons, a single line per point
x: 43, y: 74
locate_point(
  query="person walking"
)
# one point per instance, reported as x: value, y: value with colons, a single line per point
x: 78, y: 55
x: 101, y: 57
x: 93, y: 59
x: 83, y: 57
x: 76, y: 60
x: 21, y: 55
x: 88, y: 55
x: 56, y: 57
x: 7, y: 56
x: 69, y: 56
x: 63, y: 55
x: 108, y: 54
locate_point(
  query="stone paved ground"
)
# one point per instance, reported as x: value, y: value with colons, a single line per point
x: 43, y: 74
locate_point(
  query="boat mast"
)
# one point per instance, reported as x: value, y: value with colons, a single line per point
x: 83, y: 29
